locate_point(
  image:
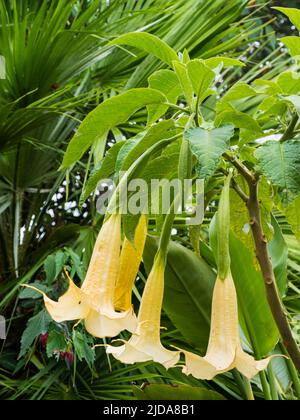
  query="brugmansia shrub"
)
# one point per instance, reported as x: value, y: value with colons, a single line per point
x: 250, y: 164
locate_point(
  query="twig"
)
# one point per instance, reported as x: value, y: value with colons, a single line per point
x: 290, y: 130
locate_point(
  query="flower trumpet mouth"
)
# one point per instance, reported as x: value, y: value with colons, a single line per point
x: 145, y: 344
x: 225, y: 350
x: 94, y: 301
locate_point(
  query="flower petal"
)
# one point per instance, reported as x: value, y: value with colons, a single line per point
x: 247, y: 365
x: 103, y: 325
x: 131, y: 257
x: 224, y: 334
x: 136, y: 350
x: 103, y: 270
x: 71, y: 306
x: 198, y: 367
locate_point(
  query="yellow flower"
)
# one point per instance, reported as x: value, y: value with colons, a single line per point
x: 94, y: 301
x: 145, y: 344
x: 131, y: 256
x: 224, y: 351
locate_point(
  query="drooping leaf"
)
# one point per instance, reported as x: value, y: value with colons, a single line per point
x: 148, y: 43
x: 208, y: 146
x: 176, y: 392
x: 112, y: 112
x: 280, y: 163
x: 189, y: 283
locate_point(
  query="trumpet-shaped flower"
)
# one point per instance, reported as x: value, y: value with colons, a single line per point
x: 224, y: 351
x: 94, y: 301
x: 145, y: 344
x: 131, y: 256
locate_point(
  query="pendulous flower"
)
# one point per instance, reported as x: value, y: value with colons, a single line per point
x: 225, y: 350
x: 145, y: 343
x: 94, y: 301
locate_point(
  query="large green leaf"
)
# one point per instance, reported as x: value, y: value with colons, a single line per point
x: 208, y: 146
x: 189, y: 283
x: 280, y: 163
x: 149, y: 43
x: 107, y: 115
x: 176, y: 392
x: 258, y: 321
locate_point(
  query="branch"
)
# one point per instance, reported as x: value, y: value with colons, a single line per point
x: 290, y: 130
x: 262, y: 254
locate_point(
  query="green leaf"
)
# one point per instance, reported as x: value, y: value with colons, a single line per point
x: 238, y: 92
x: 280, y: 163
x: 295, y: 101
x: 189, y: 283
x: 112, y: 112
x: 160, y: 392
x: 162, y: 130
x: 56, y: 343
x: 293, y: 43
x: 215, y: 62
x: 27, y: 293
x: 166, y: 82
x: 103, y: 171
x: 184, y: 80
x: 208, y: 146
x: 278, y: 250
x: 201, y: 77
x: 50, y: 269
x: 83, y: 347
x: 258, y: 321
x: 148, y: 43
x: 292, y: 13
x: 289, y: 83
x: 292, y: 213
x: 36, y: 326
x: 239, y: 120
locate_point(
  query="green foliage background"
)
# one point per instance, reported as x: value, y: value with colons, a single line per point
x: 59, y: 67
